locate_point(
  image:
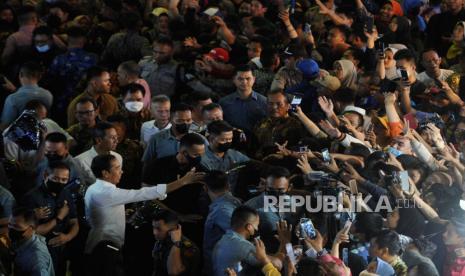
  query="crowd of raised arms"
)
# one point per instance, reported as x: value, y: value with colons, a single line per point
x: 232, y: 137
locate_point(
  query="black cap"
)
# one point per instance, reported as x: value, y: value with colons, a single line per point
x: 295, y: 50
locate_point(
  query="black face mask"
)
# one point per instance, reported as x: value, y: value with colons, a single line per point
x: 54, y: 157
x: 223, y: 147
x: 15, y: 235
x: 182, y: 128
x: 193, y: 161
x: 54, y: 187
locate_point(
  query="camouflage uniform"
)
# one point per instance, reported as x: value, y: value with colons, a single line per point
x: 272, y: 130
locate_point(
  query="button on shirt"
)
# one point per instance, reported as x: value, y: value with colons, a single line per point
x: 217, y: 223
x: 149, y: 129
x: 244, y: 114
x: 104, y: 205
x: 233, y: 251
x: 33, y: 258
x: 15, y: 103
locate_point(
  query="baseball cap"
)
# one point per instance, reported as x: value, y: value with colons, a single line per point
x: 219, y: 54
x: 309, y: 68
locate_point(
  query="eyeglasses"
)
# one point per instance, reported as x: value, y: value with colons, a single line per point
x: 82, y: 113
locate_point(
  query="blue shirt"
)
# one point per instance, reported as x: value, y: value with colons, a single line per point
x: 15, y: 103
x: 233, y: 251
x: 244, y: 114
x: 162, y: 144
x: 225, y: 163
x: 33, y: 258
x: 217, y: 223
x: 7, y: 201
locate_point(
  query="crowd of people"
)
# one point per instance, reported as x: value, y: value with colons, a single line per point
x: 167, y: 137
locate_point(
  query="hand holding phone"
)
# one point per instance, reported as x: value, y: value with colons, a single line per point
x: 326, y: 156
x: 307, y: 230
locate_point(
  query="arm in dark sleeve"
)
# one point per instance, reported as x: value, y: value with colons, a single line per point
x: 375, y: 190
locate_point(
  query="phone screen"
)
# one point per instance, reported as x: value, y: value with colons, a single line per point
x: 307, y: 229
x: 326, y: 156
x: 295, y: 102
x: 290, y: 253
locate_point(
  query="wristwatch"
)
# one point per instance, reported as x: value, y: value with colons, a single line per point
x: 178, y: 244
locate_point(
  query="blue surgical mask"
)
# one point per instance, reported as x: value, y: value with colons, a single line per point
x: 43, y: 48
x: 394, y: 151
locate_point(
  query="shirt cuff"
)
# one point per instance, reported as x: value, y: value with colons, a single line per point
x: 161, y: 189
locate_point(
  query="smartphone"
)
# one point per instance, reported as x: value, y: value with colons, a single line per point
x: 345, y: 256
x: 404, y: 182
x: 353, y: 187
x: 380, y: 47
x: 212, y: 12
x: 326, y: 155
x: 387, y: 86
x: 307, y: 229
x: 290, y: 253
x: 369, y: 22
x: 403, y: 74
x: 295, y: 102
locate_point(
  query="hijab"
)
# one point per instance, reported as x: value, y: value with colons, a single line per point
x: 349, y: 77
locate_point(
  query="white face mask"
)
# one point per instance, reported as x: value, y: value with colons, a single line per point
x: 134, y: 106
x: 43, y: 48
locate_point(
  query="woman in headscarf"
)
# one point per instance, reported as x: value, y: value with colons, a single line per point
x: 346, y: 72
x: 458, y: 42
x: 398, y: 31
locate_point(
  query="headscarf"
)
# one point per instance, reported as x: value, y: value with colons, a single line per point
x: 403, y: 33
x: 349, y: 77
x: 455, y: 50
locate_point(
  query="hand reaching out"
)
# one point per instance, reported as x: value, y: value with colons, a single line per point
x: 326, y: 105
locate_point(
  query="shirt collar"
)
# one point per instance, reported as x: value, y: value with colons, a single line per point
x: 105, y: 183
x: 253, y: 96
x: 28, y: 86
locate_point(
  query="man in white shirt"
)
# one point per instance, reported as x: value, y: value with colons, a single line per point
x: 160, y: 109
x: 432, y: 62
x: 104, y: 202
x: 105, y: 142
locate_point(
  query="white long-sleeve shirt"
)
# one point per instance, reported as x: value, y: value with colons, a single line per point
x: 104, y: 205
